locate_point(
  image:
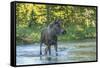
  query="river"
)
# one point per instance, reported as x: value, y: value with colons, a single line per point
x: 78, y: 51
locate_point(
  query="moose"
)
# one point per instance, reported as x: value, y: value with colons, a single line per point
x: 49, y: 36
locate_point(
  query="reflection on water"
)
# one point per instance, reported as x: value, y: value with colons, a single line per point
x: 67, y: 52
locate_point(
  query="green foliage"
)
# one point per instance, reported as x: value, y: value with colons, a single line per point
x: 79, y: 22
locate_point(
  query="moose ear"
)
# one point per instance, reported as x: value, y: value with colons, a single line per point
x: 57, y: 21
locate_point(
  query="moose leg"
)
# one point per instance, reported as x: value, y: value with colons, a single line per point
x: 49, y: 50
x: 40, y: 48
x: 56, y: 49
x: 46, y: 49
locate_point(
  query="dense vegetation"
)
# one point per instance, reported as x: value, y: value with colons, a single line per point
x: 79, y: 21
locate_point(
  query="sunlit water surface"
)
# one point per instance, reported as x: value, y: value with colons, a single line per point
x: 84, y: 50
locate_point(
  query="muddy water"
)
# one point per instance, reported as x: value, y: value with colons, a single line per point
x: 84, y: 50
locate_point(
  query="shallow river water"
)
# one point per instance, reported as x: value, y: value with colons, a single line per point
x: 78, y: 51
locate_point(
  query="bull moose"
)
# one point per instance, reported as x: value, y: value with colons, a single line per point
x: 49, y: 36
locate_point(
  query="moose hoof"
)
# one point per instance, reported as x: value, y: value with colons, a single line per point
x: 56, y: 54
x: 40, y: 54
